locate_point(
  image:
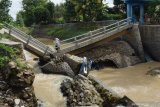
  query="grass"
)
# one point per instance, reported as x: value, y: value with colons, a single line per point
x: 68, y: 32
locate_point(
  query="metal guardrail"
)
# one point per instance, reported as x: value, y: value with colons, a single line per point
x: 28, y: 39
x: 96, y: 33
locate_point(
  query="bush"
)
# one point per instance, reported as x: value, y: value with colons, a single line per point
x: 60, y: 20
x: 114, y: 16
x: 1, y: 25
x: 6, y: 54
x: 68, y: 32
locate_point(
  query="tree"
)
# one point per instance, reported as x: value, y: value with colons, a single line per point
x: 59, y: 13
x: 42, y: 15
x: 119, y: 7
x: 87, y: 9
x: 50, y: 6
x: 70, y: 14
x: 154, y: 8
x: 4, y: 10
x: 118, y: 2
x: 20, y: 18
x: 29, y: 8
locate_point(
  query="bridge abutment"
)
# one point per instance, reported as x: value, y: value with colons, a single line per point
x: 134, y: 39
x: 150, y: 35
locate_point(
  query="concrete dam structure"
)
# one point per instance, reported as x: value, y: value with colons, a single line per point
x: 150, y: 35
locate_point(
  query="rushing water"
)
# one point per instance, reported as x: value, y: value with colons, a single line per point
x: 133, y: 82
x: 46, y: 87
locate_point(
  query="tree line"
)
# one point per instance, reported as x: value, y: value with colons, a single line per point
x: 46, y: 12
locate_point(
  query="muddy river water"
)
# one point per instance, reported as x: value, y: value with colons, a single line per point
x: 131, y: 81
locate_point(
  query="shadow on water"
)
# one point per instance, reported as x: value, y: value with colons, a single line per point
x: 104, y: 64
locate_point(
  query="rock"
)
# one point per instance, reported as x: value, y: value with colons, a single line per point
x: 12, y: 64
x: 58, y: 67
x: 154, y: 72
x: 117, y: 53
x: 21, y: 78
x: 74, y: 62
x: 17, y: 84
x: 83, y: 94
x: 3, y: 85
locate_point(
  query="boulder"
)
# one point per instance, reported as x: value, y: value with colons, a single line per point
x: 74, y: 62
x: 80, y: 92
x: 21, y: 77
x: 58, y: 68
x: 154, y: 72
x: 87, y: 91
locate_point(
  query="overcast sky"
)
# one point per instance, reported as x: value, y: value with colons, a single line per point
x: 16, y: 6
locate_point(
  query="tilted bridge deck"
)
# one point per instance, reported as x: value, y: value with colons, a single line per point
x: 70, y: 44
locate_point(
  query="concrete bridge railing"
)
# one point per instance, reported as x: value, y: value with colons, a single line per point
x: 78, y: 40
x: 71, y: 43
x: 37, y: 46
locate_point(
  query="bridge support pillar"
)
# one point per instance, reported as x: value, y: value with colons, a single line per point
x: 142, y: 13
x: 134, y: 39
x: 129, y: 10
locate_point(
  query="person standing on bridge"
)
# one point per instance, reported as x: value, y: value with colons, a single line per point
x: 57, y: 44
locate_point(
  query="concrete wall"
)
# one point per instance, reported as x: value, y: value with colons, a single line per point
x: 150, y: 35
x: 134, y: 39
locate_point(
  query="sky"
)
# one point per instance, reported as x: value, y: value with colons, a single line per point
x: 16, y: 6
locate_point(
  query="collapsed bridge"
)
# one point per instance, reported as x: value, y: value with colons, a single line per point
x: 76, y: 44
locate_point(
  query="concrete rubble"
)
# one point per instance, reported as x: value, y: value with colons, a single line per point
x: 62, y: 64
x: 119, y: 53
x: 17, y: 84
x: 58, y: 66
x: 86, y: 91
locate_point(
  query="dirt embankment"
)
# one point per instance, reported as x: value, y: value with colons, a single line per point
x: 16, y: 79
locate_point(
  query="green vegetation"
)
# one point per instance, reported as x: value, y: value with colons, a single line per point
x: 4, y: 11
x: 85, y: 10
x: 36, y: 12
x: 154, y: 9
x: 1, y: 25
x: 68, y: 32
x: 6, y: 54
x: 5, y: 36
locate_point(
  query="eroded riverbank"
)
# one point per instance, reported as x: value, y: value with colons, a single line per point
x: 133, y: 82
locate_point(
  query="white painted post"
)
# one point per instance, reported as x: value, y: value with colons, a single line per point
x: 128, y: 21
x: 104, y: 28
x: 29, y: 38
x: 9, y: 31
x: 75, y: 39
x: 90, y: 33
x: 118, y: 25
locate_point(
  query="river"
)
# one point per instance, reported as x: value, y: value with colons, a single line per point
x: 133, y: 82
x: 46, y: 86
